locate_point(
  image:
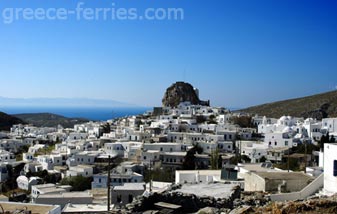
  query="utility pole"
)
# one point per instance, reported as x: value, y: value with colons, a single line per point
x: 288, y: 161
x: 305, y: 158
x: 108, y: 183
x: 151, y: 176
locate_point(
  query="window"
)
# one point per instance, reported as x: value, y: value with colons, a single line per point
x: 275, y: 143
x: 335, y: 168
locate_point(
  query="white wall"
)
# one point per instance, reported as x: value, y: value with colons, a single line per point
x: 330, y: 181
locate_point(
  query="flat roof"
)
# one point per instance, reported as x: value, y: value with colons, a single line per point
x: 41, y: 186
x: 130, y: 186
x: 51, y: 190
x: 216, y: 190
x: 200, y: 172
x: 34, y: 208
x: 175, y: 153
x: 82, y: 166
x: 76, y: 208
x: 257, y: 168
x: 284, y: 175
x: 278, y: 149
x: 152, y: 151
x: 67, y: 195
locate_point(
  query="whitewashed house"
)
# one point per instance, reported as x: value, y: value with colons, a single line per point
x: 7, y: 157
x: 280, y: 139
x: 117, y: 179
x: 26, y: 183
x: 330, y: 168
x: 330, y: 124
x: 80, y: 170
x: 114, y: 149
x: 82, y: 158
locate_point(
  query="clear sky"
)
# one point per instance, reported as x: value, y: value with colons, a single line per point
x: 238, y: 53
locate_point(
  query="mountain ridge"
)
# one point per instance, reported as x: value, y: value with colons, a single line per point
x: 49, y: 120
x: 317, y: 106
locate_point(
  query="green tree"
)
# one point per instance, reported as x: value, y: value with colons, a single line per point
x: 106, y: 128
x: 263, y: 159
x: 245, y: 158
x: 78, y: 183
x: 324, y: 139
x: 216, y: 159
x: 189, y: 160
x: 332, y: 139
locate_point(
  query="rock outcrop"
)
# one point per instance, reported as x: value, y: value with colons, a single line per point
x: 182, y: 92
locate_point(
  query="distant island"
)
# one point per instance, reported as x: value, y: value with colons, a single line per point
x: 61, y: 102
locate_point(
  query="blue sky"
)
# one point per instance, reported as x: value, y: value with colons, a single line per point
x: 238, y: 53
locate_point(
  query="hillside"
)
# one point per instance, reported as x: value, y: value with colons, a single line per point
x: 316, y: 106
x: 50, y: 120
x: 6, y: 121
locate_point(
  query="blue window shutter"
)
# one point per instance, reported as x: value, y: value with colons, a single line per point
x: 335, y: 168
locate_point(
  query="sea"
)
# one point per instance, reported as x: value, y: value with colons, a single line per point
x: 91, y: 113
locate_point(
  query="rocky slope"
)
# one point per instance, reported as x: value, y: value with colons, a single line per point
x: 317, y: 106
x: 7, y: 121
x: 180, y: 92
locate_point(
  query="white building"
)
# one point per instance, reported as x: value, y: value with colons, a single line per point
x: 80, y: 170
x: 82, y: 158
x: 330, y: 168
x: 197, y: 176
x: 117, y: 179
x: 6, y: 157
x: 124, y: 194
x: 27, y: 183
x: 41, y: 189
x: 330, y: 124
x: 280, y: 139
x: 114, y: 149
x: 254, y: 150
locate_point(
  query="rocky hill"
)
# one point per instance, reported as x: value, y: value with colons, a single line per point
x: 50, y: 120
x: 7, y: 121
x: 181, y: 92
x: 316, y: 106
